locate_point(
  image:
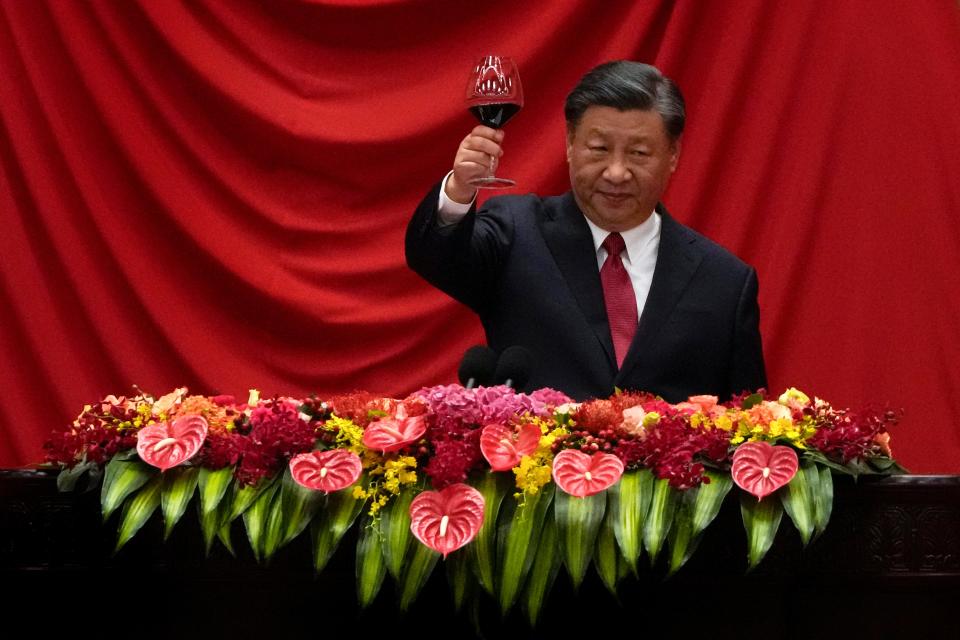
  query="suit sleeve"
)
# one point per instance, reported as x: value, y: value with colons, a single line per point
x: 747, y: 372
x: 463, y: 260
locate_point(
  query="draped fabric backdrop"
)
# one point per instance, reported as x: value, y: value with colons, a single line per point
x: 214, y: 193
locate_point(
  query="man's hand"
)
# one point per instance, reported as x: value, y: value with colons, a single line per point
x: 477, y: 157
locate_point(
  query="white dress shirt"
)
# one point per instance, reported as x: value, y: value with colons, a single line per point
x: 639, y: 257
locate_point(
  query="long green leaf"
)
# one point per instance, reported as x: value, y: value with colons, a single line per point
x: 138, y: 510
x: 121, y: 478
x: 371, y: 567
x: 67, y: 479
x: 395, y: 529
x: 482, y: 551
x: 797, y: 499
x: 241, y: 497
x: 607, y: 557
x: 256, y: 516
x: 578, y: 522
x: 659, y: 519
x: 697, y: 509
x: 761, y: 519
x: 710, y: 498
x: 823, y: 499
x: 213, y: 486
x: 210, y: 525
x: 272, y: 534
x: 179, y: 485
x: 517, y: 536
x: 416, y: 573
x: 334, y: 519
x: 681, y: 540
x: 298, y: 506
x: 215, y: 505
x: 460, y: 577
x: 629, y: 502
x: 543, y: 572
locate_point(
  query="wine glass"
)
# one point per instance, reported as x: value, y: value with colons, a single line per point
x: 494, y: 95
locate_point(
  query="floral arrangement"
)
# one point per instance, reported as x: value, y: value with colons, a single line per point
x: 493, y: 481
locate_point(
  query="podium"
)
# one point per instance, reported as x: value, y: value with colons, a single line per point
x: 887, y: 565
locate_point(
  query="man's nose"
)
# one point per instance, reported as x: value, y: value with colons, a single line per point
x: 616, y: 171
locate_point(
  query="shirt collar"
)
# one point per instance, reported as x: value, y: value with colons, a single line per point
x: 635, y: 239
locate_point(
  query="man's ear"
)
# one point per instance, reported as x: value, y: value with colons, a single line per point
x: 570, y: 135
x: 675, y: 154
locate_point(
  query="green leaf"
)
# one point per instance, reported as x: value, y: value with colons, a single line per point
x: 371, y: 566
x: 459, y: 576
x: 67, y: 479
x: 517, y: 536
x: 138, y: 510
x: 761, y: 519
x: 215, y: 505
x: 416, y: 573
x: 179, y: 485
x: 822, y: 499
x: 256, y: 516
x: 682, y: 541
x: 298, y: 506
x: 629, y: 503
x: 213, y: 486
x: 395, y: 529
x: 663, y: 505
x: 243, y: 496
x: 607, y: 557
x: 751, y: 401
x: 797, y: 499
x: 210, y: 525
x: 482, y: 551
x: 223, y: 534
x: 335, y: 518
x: 543, y: 571
x: 578, y: 522
x: 823, y: 460
x: 698, y: 508
x: 709, y: 499
x: 272, y: 535
x: 120, y: 479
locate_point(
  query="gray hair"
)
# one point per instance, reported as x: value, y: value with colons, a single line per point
x: 624, y: 85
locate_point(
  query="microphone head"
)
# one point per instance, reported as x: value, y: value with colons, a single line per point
x: 514, y: 367
x: 477, y: 366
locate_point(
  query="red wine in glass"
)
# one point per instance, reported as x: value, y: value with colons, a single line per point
x: 494, y: 95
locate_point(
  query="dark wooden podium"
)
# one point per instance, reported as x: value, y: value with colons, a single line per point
x: 888, y: 566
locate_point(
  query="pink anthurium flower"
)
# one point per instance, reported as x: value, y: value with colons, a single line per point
x: 760, y: 468
x: 447, y: 520
x: 165, y: 444
x: 326, y: 471
x: 503, y: 447
x: 582, y: 475
x: 392, y: 434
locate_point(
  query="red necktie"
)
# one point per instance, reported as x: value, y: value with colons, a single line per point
x: 619, y: 297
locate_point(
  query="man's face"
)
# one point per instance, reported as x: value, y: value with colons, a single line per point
x: 620, y: 164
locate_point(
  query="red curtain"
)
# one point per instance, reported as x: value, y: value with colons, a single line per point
x: 214, y: 193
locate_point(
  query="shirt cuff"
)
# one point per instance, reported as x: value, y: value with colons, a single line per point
x: 448, y: 211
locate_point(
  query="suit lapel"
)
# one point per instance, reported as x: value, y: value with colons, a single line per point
x: 571, y: 243
x: 677, y: 261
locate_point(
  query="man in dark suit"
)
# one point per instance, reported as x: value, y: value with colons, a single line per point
x: 601, y: 284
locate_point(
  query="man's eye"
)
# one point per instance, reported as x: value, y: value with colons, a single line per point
x: 640, y: 152
x: 597, y: 147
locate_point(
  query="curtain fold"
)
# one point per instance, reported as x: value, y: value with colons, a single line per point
x: 215, y: 193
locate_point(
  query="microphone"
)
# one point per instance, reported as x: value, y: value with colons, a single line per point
x: 476, y: 368
x: 514, y: 367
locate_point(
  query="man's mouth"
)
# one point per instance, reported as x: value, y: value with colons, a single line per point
x: 614, y: 196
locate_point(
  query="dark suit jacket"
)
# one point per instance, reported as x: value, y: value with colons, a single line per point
x: 528, y: 267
